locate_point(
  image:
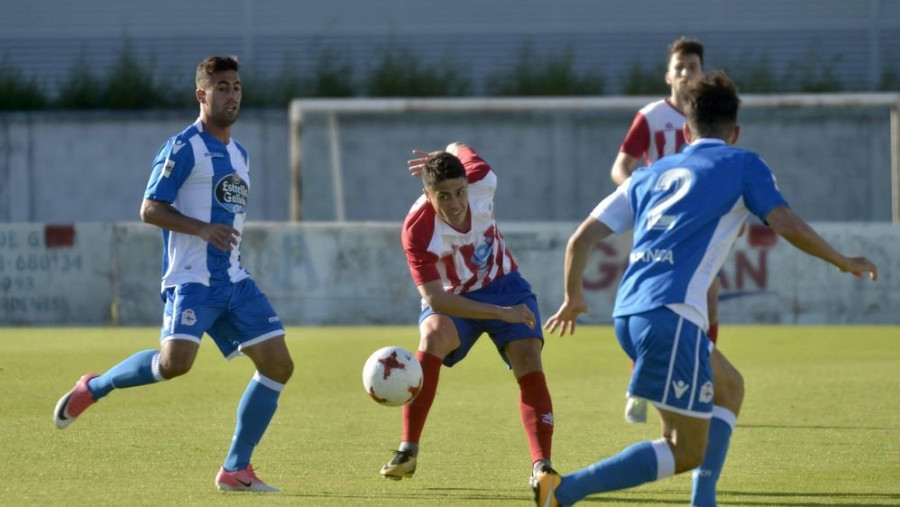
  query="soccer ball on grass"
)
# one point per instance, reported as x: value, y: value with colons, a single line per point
x: 392, y: 376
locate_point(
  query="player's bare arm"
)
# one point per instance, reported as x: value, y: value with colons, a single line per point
x: 622, y: 167
x: 165, y: 216
x: 444, y: 302
x: 799, y: 233
x: 577, y: 252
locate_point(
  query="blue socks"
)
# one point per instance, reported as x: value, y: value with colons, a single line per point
x: 254, y: 412
x: 140, y: 369
x: 640, y: 463
x: 651, y: 461
x: 705, y: 477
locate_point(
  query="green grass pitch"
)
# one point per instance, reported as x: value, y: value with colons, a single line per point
x: 820, y: 423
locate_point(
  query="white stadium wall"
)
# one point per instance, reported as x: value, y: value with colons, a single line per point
x: 322, y: 274
x: 65, y: 167
x: 53, y: 274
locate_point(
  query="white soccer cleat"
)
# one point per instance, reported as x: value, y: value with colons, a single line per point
x: 402, y: 465
x: 636, y: 410
x: 544, y: 486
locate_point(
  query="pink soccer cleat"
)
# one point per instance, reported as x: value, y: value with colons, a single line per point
x: 74, y: 402
x: 242, y: 480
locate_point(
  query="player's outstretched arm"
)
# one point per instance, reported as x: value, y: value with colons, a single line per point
x: 453, y: 148
x: 577, y: 252
x: 417, y: 165
x: 799, y: 233
x: 165, y: 216
x: 444, y: 302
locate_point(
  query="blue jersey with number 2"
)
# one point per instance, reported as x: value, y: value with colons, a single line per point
x: 686, y: 210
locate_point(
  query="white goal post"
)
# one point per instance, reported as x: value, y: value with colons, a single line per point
x: 300, y: 108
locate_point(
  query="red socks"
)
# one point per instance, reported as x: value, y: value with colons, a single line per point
x: 536, y: 409
x: 713, y: 332
x: 416, y: 411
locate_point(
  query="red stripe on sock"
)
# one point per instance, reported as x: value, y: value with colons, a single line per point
x: 536, y: 409
x: 416, y: 411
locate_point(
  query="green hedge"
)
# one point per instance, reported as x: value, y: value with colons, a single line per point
x: 396, y: 71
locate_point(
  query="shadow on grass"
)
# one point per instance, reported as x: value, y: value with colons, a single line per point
x: 429, y: 494
x: 838, y: 498
x: 771, y: 498
x: 813, y: 427
x: 481, y: 495
x: 634, y: 500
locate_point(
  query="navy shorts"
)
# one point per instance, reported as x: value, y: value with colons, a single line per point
x: 671, y: 361
x: 508, y: 290
x: 236, y: 316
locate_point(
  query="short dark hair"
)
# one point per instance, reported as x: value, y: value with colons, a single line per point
x: 684, y: 45
x: 442, y: 166
x: 712, y: 105
x: 214, y: 64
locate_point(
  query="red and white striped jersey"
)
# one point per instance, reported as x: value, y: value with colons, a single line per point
x: 657, y: 131
x: 463, y: 260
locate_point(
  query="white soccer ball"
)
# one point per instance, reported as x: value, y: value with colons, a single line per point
x: 392, y: 376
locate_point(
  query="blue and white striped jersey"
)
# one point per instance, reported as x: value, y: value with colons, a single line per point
x: 686, y: 210
x: 210, y: 181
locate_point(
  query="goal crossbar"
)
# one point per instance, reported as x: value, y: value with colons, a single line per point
x: 332, y: 107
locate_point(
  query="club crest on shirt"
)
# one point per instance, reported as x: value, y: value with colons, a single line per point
x: 232, y: 193
x: 483, y: 252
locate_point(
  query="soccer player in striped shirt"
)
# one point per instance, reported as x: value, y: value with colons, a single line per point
x: 198, y: 194
x: 686, y: 211
x: 470, y: 285
x: 658, y: 131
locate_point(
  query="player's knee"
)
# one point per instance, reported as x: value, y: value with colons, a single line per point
x: 688, y: 461
x: 438, y: 341
x: 689, y: 457
x: 524, y: 355
x: 171, y: 367
x: 284, y: 370
x: 279, y: 370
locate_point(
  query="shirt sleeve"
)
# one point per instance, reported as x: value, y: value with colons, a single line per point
x: 416, y: 235
x: 637, y: 140
x: 760, y: 192
x: 171, y: 167
x: 615, y: 209
x: 476, y: 167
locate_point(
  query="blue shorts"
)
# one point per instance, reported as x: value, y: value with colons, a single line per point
x: 508, y: 290
x: 236, y: 316
x: 671, y: 361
